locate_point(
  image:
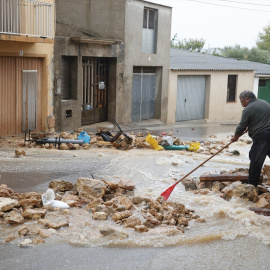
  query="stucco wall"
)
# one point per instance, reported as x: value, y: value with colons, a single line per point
x: 135, y: 57
x: 216, y: 106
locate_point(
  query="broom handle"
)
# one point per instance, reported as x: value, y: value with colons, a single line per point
x: 204, y: 162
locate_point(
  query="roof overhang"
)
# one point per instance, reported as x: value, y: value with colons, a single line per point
x: 25, y: 38
x: 95, y: 41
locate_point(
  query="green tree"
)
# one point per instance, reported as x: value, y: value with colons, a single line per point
x: 254, y: 54
x: 235, y: 52
x: 187, y: 44
x: 264, y: 39
x: 257, y: 55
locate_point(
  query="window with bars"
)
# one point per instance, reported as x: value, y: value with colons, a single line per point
x: 231, y: 88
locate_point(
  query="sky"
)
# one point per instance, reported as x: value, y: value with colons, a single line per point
x: 219, y: 22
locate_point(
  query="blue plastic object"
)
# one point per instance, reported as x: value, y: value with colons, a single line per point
x: 84, y: 136
x: 176, y: 147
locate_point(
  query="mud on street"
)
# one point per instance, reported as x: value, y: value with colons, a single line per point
x: 113, y: 197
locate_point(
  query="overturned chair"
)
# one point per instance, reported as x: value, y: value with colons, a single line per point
x: 108, y: 137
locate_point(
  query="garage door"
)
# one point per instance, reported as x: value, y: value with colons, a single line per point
x: 190, y: 98
x: 15, y: 93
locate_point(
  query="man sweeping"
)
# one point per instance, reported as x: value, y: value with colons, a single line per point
x: 256, y: 119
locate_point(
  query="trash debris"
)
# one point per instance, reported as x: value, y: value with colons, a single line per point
x: 84, y: 136
x: 48, y: 198
x: 167, y: 141
x: 108, y: 137
x: 153, y: 142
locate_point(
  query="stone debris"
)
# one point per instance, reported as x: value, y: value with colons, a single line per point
x: 101, y: 202
x: 37, y: 222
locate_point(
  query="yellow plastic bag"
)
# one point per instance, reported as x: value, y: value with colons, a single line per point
x: 194, y: 147
x: 153, y: 142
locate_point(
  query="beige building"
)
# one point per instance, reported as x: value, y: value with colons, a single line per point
x: 204, y: 86
x: 26, y: 70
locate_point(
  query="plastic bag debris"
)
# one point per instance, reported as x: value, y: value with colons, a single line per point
x: 167, y: 141
x: 84, y: 136
x: 48, y: 199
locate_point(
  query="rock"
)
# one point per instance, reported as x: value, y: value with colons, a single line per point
x: 144, y: 145
x: 46, y: 233
x: 137, y: 200
x: 266, y: 170
x: 263, y: 203
x: 150, y: 218
x: 237, y: 189
x: 90, y: 188
x: 14, y: 217
x: 37, y: 241
x: 131, y: 222
x: 34, y: 213
x: 94, y: 203
x: 23, y: 231
x: 113, y: 185
x: 261, y: 189
x: 182, y: 221
x: 20, y: 153
x: 58, y: 224
x: 5, y: 191
x: 31, y: 199
x: 100, y: 216
x: 217, y: 186
x: 141, y: 228
x: 189, y: 184
x: 63, y: 146
x: 120, y: 203
x: 26, y: 243
x: 61, y: 185
x: 10, y: 238
x: 127, y: 184
x: 213, y: 151
x: 121, y: 215
x: 112, y: 232
x: 7, y: 204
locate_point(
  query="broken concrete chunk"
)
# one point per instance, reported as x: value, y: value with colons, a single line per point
x: 14, y: 218
x: 121, y: 215
x: 90, y: 188
x: 100, y: 216
x: 240, y: 190
x: 7, y: 204
x: 61, y: 185
x: 34, y: 213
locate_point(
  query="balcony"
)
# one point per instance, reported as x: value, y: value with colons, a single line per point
x: 27, y: 21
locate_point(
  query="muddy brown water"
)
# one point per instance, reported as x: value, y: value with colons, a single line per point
x: 231, y: 238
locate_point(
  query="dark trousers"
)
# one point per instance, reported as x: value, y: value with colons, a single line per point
x: 257, y: 154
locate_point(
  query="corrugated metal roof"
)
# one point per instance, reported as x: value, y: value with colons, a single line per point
x: 186, y: 60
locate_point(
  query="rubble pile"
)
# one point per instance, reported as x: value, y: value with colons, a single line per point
x: 138, y: 141
x: 25, y: 220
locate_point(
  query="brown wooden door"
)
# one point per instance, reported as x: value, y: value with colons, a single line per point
x: 11, y: 92
x: 95, y: 85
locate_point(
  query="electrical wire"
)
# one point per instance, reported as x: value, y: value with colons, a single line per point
x: 197, y: 1
x: 245, y: 3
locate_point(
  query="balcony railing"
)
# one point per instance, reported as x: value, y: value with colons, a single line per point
x: 27, y: 17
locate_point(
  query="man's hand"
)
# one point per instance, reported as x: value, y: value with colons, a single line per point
x: 235, y: 138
